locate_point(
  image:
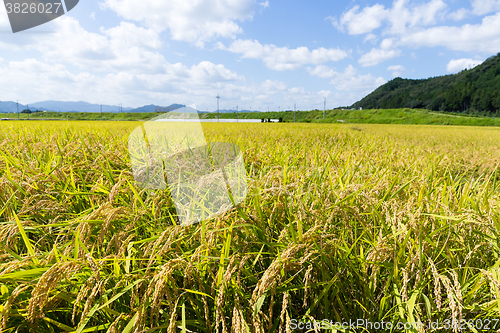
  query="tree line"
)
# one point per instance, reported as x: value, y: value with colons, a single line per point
x: 473, y: 91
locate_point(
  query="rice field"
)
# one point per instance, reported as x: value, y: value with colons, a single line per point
x: 393, y: 223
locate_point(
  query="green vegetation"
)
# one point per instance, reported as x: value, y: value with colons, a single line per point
x: 38, y: 115
x: 472, y: 91
x: 382, y: 116
x: 385, y: 223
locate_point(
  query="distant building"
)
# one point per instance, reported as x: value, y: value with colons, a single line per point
x: 361, y: 108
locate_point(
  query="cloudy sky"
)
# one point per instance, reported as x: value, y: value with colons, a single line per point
x: 256, y: 54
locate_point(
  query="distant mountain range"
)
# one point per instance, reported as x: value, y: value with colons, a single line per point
x: 471, y: 90
x: 12, y: 107
x: 154, y: 108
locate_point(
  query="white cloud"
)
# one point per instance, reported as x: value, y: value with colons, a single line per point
x: 456, y: 65
x: 273, y: 86
x: 376, y: 56
x: 196, y: 21
x: 45, y: 81
x: 483, y: 37
x: 459, y: 14
x: 481, y: 7
x: 416, y: 26
x: 283, y: 58
x: 197, y: 84
x: 369, y: 19
x: 4, y: 20
x: 370, y: 38
x: 396, y: 70
x: 349, y: 80
x: 123, y: 62
x: 400, y: 17
x: 208, y: 72
x: 124, y: 47
x: 322, y: 71
x: 387, y: 44
x: 129, y: 35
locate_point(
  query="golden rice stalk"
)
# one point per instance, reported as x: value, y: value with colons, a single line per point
x: 238, y: 325
x: 110, y: 216
x: 96, y: 291
x: 172, y: 234
x: 458, y: 292
x: 437, y: 284
x: 8, y: 234
x: 231, y: 268
x: 493, y: 282
x: 284, y: 307
x: 307, y: 281
x: 93, y: 266
x: 115, y: 189
x: 268, y: 279
x: 48, y: 281
x: 454, y: 306
x: 15, y: 265
x: 404, y: 295
x: 159, y: 288
x: 114, y: 326
x: 4, y: 315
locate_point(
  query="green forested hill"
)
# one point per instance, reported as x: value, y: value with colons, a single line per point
x: 473, y: 91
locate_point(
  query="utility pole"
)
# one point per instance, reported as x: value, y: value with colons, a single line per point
x: 294, y: 109
x: 101, y: 111
x: 17, y: 103
x: 218, y: 97
x: 324, y: 109
x: 237, y: 113
x: 28, y: 108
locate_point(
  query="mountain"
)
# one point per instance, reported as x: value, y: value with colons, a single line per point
x: 75, y: 107
x: 153, y: 108
x: 12, y: 107
x: 475, y: 91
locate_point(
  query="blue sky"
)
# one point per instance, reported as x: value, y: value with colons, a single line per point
x: 254, y: 54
